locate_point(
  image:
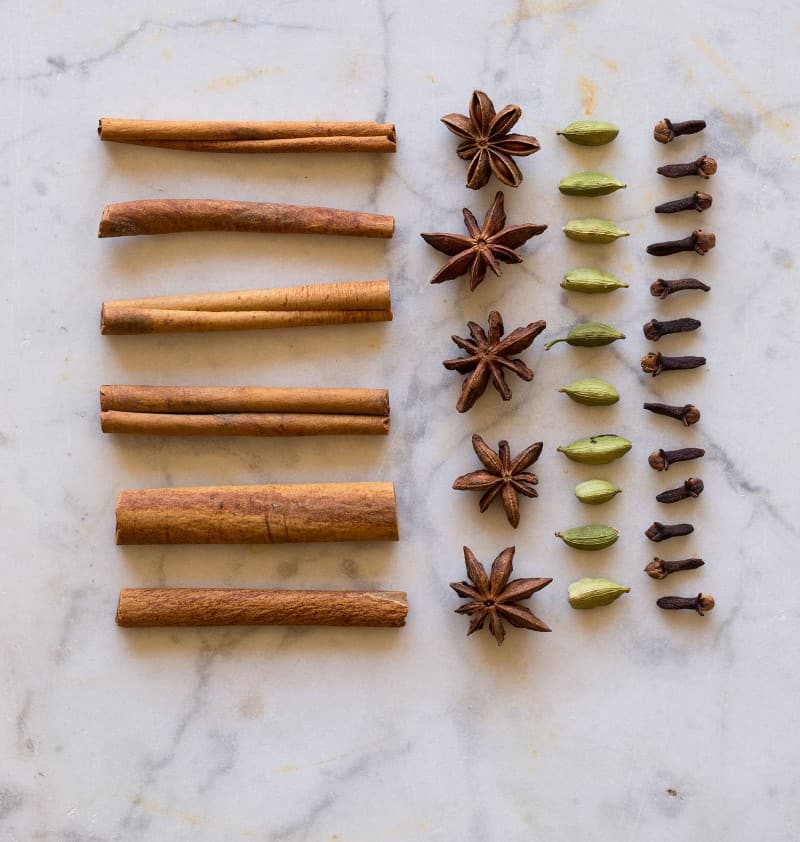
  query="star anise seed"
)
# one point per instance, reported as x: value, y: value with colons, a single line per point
x: 494, y: 597
x: 486, y: 142
x: 488, y: 355
x: 502, y: 476
x: 484, y: 248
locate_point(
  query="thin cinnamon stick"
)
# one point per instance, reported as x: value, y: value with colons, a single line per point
x: 348, y: 302
x: 251, y: 137
x: 175, y: 216
x: 139, y: 607
x: 258, y: 514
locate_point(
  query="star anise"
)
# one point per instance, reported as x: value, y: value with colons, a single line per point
x: 493, y: 596
x: 487, y: 144
x: 503, y: 475
x: 484, y: 247
x: 488, y: 355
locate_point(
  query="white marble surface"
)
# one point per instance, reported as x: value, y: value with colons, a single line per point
x: 419, y: 733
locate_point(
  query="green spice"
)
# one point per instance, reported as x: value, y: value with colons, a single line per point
x: 592, y: 230
x: 596, y: 450
x: 592, y: 593
x: 589, y: 184
x: 589, y: 335
x: 591, y: 280
x: 596, y: 491
x: 592, y: 537
x: 591, y: 392
x: 589, y: 132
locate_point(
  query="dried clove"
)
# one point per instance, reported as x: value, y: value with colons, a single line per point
x: 697, y: 201
x: 701, y: 603
x: 703, y: 166
x: 693, y: 487
x: 687, y: 414
x: 655, y: 363
x: 660, y: 460
x: 660, y: 569
x: 698, y: 241
x: 661, y: 531
x: 662, y: 288
x: 666, y: 131
x: 655, y: 329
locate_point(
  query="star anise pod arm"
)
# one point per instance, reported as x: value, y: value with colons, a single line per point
x: 492, y: 596
x: 486, y: 142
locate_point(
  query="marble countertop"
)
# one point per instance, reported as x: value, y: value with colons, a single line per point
x: 626, y: 723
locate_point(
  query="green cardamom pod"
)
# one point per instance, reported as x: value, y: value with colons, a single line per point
x: 589, y: 335
x: 591, y: 230
x: 591, y: 392
x: 592, y: 537
x: 591, y: 280
x: 596, y: 491
x: 596, y: 450
x: 592, y: 593
x: 589, y: 132
x: 589, y: 184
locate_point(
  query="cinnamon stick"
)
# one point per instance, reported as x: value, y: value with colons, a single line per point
x: 175, y: 216
x: 258, y: 514
x: 140, y: 607
x: 243, y: 411
x: 348, y: 302
x: 251, y: 137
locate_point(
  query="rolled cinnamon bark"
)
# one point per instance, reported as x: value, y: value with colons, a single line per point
x: 258, y: 514
x: 251, y: 137
x: 140, y: 607
x: 243, y: 411
x: 348, y: 302
x: 175, y: 216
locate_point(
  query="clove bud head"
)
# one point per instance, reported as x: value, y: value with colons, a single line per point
x: 703, y: 241
x: 706, y: 166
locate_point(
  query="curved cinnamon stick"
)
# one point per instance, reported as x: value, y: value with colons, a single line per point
x: 139, y: 607
x: 175, y: 216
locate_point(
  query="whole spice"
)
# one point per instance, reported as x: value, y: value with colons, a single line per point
x: 591, y: 537
x: 596, y: 491
x: 502, y: 475
x: 494, y: 598
x: 662, y: 531
x: 701, y: 603
x: 592, y: 593
x: 487, y: 356
x: 486, y: 142
x: 666, y: 131
x: 660, y: 569
x: 591, y: 281
x: 146, y: 607
x: 591, y: 392
x: 589, y: 132
x: 660, y: 460
x: 697, y: 201
x: 347, y: 302
x: 175, y: 216
x: 258, y: 514
x: 485, y: 247
x: 588, y: 335
x: 589, y: 184
x: 703, y: 166
x: 655, y: 329
x: 596, y: 450
x: 239, y: 136
x: 592, y: 230
x: 243, y: 411
x: 655, y: 363
x: 698, y: 241
x: 663, y: 289
x: 687, y: 414
x: 693, y: 487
